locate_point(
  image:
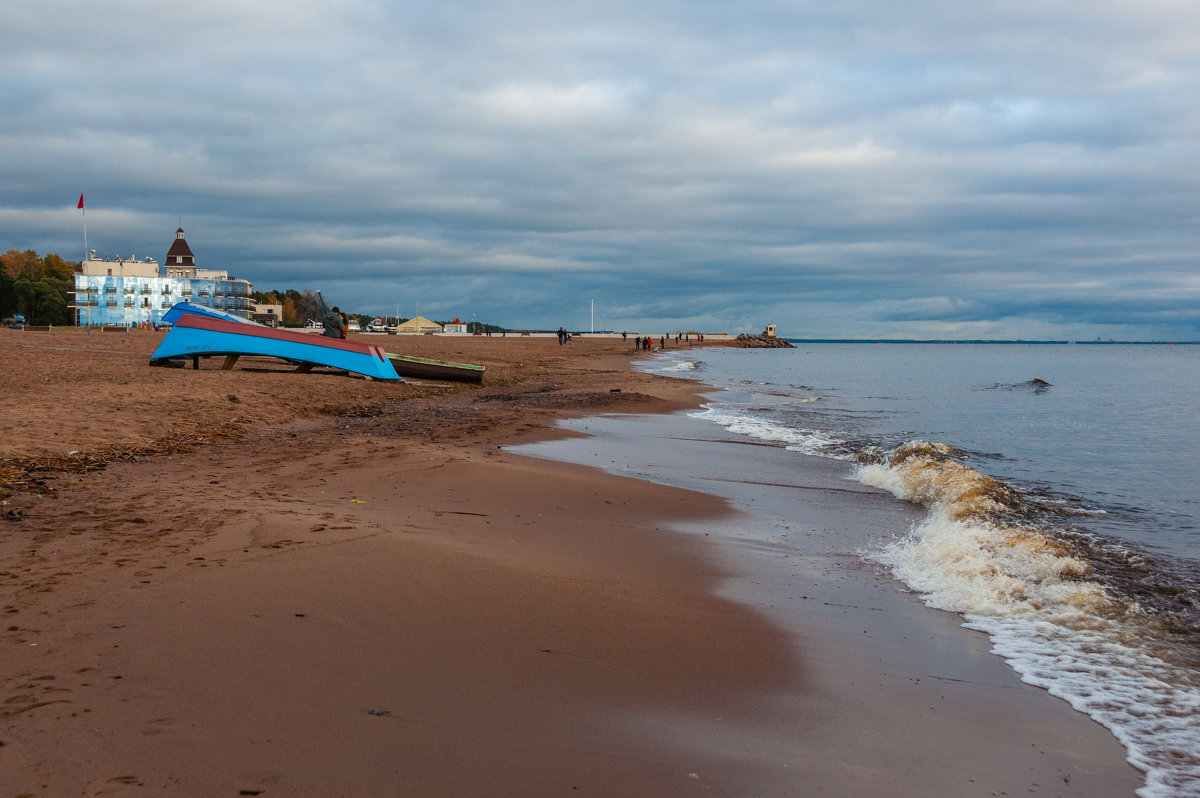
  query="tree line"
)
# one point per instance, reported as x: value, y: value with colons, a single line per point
x: 41, y: 287
x: 298, y: 306
x: 37, y: 287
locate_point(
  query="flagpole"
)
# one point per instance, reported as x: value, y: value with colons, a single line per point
x: 85, y: 249
x: 88, y: 296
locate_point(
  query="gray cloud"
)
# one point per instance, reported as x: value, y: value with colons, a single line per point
x: 864, y: 169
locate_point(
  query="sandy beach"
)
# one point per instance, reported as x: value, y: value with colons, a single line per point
x: 255, y: 582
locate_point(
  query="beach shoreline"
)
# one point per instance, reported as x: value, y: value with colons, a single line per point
x: 364, y: 591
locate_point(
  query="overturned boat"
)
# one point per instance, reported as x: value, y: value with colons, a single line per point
x: 199, y: 331
x: 181, y: 309
x: 196, y: 336
x: 430, y: 369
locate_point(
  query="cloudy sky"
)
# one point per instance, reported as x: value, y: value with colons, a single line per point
x: 864, y: 168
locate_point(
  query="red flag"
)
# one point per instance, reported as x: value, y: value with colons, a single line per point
x: 80, y: 205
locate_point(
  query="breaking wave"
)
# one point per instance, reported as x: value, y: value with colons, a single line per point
x: 1095, y: 622
x: 1064, y: 609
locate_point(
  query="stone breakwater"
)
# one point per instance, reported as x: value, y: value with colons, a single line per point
x: 763, y: 342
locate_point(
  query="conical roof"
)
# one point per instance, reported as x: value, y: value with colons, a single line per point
x: 180, y: 252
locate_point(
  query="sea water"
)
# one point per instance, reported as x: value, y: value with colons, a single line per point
x: 1058, y: 494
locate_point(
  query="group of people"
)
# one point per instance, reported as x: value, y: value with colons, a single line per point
x: 646, y: 344
x: 563, y: 336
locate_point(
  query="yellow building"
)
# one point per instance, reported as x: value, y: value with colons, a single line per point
x: 419, y: 324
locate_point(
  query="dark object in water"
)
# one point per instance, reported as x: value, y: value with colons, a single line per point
x: 1037, y: 385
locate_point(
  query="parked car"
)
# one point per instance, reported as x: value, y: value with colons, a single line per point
x: 16, y: 321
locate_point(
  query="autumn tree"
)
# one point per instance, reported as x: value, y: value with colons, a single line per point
x: 23, y: 264
x: 35, y: 286
x: 289, y: 313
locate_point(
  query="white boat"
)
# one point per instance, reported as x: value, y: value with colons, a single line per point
x: 313, y: 326
x: 353, y: 325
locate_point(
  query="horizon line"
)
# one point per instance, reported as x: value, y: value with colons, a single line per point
x: 1063, y: 342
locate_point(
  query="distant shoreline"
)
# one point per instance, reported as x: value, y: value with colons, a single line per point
x: 984, y: 341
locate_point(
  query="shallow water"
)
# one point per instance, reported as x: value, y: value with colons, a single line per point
x: 1058, y: 510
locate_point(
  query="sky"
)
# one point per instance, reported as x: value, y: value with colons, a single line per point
x: 861, y: 169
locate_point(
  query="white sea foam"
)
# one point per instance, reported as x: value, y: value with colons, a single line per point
x: 1054, y: 624
x: 1086, y: 615
x: 674, y: 364
x: 808, y: 441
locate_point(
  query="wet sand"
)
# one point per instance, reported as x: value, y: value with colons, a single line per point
x: 893, y: 698
x: 329, y: 586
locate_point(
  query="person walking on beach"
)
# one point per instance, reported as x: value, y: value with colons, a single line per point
x: 562, y: 336
x: 335, y: 324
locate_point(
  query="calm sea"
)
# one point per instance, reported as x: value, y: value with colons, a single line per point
x: 1059, y: 507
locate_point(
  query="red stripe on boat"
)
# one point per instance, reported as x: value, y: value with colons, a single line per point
x: 259, y: 331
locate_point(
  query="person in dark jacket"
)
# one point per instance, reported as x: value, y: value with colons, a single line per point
x: 335, y: 324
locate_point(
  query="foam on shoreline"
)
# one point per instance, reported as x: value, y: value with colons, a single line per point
x: 1062, y: 609
x: 799, y: 552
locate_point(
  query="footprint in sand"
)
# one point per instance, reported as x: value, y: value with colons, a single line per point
x: 157, y: 726
x: 113, y: 785
x: 280, y: 544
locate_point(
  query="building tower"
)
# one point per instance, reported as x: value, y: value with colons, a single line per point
x: 180, y: 260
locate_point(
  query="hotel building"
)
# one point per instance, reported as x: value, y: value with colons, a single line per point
x: 126, y: 292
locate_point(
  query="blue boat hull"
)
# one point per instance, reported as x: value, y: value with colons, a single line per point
x: 180, y: 309
x: 198, y: 335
